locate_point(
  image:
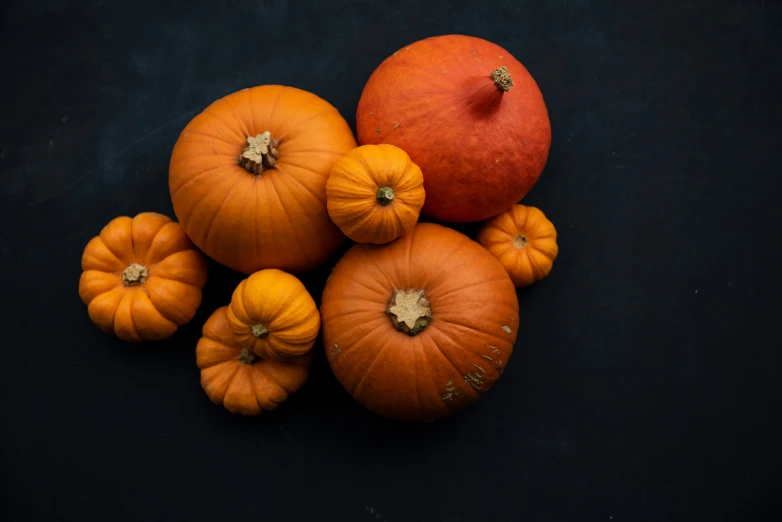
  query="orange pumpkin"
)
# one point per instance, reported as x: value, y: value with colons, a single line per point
x: 524, y: 241
x: 248, y: 178
x: 142, y: 278
x: 469, y: 114
x: 240, y: 380
x: 273, y: 315
x: 375, y: 193
x: 421, y: 327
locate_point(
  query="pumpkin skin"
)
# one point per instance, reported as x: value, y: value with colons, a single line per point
x: 481, y: 148
x: 441, y: 357
x: 273, y: 315
x: 241, y: 381
x: 524, y: 241
x: 375, y: 193
x: 270, y: 212
x: 142, y: 278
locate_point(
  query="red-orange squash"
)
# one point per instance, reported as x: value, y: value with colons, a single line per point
x: 238, y: 379
x: 421, y: 327
x: 248, y: 178
x: 469, y: 114
x: 375, y: 193
x: 142, y: 278
x: 524, y: 241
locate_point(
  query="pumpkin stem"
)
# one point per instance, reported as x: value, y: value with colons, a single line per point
x: 134, y: 275
x: 385, y: 195
x: 502, y: 79
x: 260, y: 153
x: 260, y: 331
x: 409, y: 311
x: 520, y: 241
x: 246, y: 356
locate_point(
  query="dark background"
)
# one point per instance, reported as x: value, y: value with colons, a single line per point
x: 644, y: 385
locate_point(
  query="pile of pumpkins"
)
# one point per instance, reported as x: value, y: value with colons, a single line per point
x: 418, y: 319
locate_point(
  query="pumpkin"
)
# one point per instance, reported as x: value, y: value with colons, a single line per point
x: 273, y: 315
x: 142, y: 278
x: 248, y: 178
x: 524, y: 241
x: 238, y: 379
x: 375, y: 193
x: 469, y: 114
x: 421, y: 327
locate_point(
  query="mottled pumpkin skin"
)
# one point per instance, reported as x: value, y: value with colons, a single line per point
x: 524, y: 241
x: 157, y: 303
x: 375, y: 193
x: 245, y: 388
x: 275, y: 219
x: 481, y: 149
x: 278, y: 304
x: 452, y: 361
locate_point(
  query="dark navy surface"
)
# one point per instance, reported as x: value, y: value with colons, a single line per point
x: 645, y: 381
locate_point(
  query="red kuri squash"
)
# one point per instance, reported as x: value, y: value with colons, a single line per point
x: 469, y: 114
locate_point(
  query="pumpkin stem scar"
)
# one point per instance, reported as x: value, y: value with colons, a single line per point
x: 502, y: 79
x: 260, y: 153
x: 134, y: 275
x: 260, y: 331
x: 385, y: 195
x: 520, y: 241
x: 246, y: 356
x: 409, y: 311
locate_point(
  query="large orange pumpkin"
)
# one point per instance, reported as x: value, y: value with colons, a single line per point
x: 420, y: 327
x: 237, y: 378
x: 248, y: 178
x: 469, y: 114
x: 142, y: 278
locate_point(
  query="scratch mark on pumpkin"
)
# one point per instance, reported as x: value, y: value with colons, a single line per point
x: 499, y: 57
x: 377, y: 131
x: 334, y: 350
x: 481, y: 369
x: 475, y: 380
x: 507, y: 329
x: 487, y: 358
x: 493, y: 349
x: 450, y: 392
x: 395, y: 125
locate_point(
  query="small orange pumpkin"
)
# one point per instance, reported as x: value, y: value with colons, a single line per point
x: 248, y: 178
x: 421, y: 327
x: 524, y: 241
x: 273, y: 315
x: 375, y: 193
x: 142, y: 278
x: 238, y: 379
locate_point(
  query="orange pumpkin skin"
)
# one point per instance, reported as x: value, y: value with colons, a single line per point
x: 239, y: 380
x: 524, y: 241
x: 375, y: 193
x: 273, y: 315
x: 481, y: 148
x: 419, y: 371
x: 142, y: 278
x: 269, y: 212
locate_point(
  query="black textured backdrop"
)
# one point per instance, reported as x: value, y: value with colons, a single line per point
x: 644, y: 385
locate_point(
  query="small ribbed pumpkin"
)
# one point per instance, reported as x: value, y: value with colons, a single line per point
x: 142, y: 278
x: 375, y: 193
x: 524, y: 241
x: 273, y: 315
x: 239, y: 380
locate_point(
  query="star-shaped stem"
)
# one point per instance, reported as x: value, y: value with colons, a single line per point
x: 409, y: 311
x: 260, y: 153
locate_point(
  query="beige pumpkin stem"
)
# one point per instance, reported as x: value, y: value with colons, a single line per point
x: 134, y: 275
x: 260, y: 331
x: 409, y: 311
x: 502, y: 79
x: 246, y: 356
x: 520, y: 241
x: 385, y: 195
x: 260, y: 153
